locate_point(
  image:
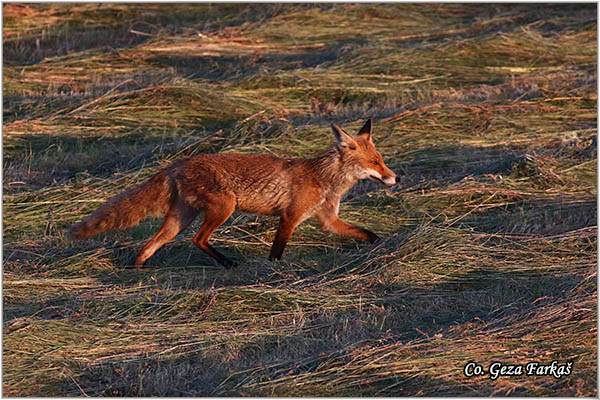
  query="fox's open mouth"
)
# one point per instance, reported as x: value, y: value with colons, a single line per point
x: 376, y: 179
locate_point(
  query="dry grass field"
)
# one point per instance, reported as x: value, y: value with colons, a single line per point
x: 486, y: 112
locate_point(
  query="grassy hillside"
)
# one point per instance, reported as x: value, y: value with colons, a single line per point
x: 486, y: 112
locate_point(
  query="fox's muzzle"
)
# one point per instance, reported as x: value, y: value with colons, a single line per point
x: 390, y: 180
x: 387, y: 180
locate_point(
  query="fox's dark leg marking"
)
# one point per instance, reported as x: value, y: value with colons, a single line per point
x: 287, y: 224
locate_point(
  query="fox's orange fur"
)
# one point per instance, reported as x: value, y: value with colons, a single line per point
x: 219, y: 184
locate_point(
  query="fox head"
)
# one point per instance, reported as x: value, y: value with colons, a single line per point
x: 360, y: 156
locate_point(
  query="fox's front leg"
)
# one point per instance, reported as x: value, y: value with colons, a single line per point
x: 333, y: 223
x: 287, y: 224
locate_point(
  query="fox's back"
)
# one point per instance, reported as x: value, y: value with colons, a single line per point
x: 261, y: 183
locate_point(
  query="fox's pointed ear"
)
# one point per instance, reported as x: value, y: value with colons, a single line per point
x: 343, y: 139
x: 366, y: 130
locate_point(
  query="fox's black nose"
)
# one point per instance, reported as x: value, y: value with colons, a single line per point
x: 395, y: 180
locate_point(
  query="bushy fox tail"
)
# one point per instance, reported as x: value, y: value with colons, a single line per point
x: 128, y: 208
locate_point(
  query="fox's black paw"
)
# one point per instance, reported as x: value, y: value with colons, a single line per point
x: 373, y: 238
x: 377, y: 243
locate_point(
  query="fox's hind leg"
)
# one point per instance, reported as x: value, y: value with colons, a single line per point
x: 179, y: 216
x: 217, y: 211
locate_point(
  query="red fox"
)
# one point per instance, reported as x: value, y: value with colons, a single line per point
x: 219, y: 184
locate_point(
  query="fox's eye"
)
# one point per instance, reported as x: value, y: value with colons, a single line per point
x: 375, y: 162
